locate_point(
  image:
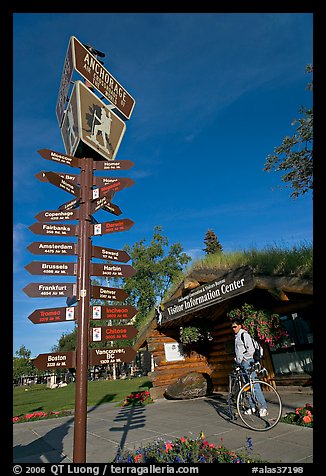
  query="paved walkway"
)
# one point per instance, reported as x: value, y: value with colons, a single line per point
x: 110, y: 427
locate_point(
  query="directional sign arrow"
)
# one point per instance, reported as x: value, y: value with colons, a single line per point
x: 113, y: 270
x: 114, y: 183
x: 111, y: 355
x: 50, y: 289
x: 55, y: 360
x: 113, y: 312
x: 53, y: 230
x: 61, y: 158
x: 73, y: 177
x: 57, y: 215
x: 105, y: 191
x: 108, y: 294
x: 111, y: 226
x: 113, y: 164
x: 104, y: 203
x: 52, y: 269
x: 56, y: 314
x: 110, y: 254
x: 57, y: 248
x: 74, y: 203
x: 60, y: 182
x: 103, y: 334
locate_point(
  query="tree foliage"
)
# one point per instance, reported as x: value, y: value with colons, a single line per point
x: 212, y: 244
x: 22, y: 363
x: 294, y: 157
x: 157, y: 266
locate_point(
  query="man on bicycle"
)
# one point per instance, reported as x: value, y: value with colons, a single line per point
x: 244, y: 351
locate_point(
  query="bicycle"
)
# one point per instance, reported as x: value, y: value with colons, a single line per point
x: 249, y: 410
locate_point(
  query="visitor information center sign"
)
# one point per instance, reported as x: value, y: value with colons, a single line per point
x: 225, y: 287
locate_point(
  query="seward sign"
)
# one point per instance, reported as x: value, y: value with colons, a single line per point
x: 225, y: 287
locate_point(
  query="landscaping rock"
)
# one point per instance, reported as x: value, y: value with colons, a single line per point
x: 191, y: 385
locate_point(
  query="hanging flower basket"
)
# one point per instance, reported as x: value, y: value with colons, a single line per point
x: 194, y: 334
x: 262, y: 325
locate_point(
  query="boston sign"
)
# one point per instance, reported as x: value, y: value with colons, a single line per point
x: 225, y: 287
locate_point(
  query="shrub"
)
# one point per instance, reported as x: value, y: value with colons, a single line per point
x: 302, y: 416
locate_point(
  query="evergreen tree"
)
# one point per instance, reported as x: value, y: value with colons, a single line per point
x: 212, y: 245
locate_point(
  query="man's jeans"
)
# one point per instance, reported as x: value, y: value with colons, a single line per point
x: 245, y: 364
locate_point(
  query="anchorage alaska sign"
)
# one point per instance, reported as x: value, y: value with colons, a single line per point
x: 225, y: 287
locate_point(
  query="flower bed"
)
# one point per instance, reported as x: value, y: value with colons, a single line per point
x: 184, y: 450
x: 138, y: 398
x: 302, y: 416
x: 40, y: 416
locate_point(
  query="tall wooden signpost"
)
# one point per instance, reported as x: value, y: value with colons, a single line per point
x: 85, y: 150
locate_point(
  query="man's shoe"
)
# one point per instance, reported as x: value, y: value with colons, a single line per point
x: 263, y: 412
x: 250, y: 411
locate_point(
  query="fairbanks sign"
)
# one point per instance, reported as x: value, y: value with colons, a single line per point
x: 225, y: 287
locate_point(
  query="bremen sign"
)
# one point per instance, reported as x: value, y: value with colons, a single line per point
x: 109, y: 294
x: 57, y: 269
x: 111, y: 226
x: 111, y: 355
x: 56, y: 314
x: 113, y: 270
x: 56, y: 360
x: 113, y: 312
x: 47, y: 248
x: 53, y: 230
x: 103, y: 334
x: 110, y: 254
x: 91, y: 69
x: 50, y: 289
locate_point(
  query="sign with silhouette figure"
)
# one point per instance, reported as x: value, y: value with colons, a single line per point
x: 90, y: 127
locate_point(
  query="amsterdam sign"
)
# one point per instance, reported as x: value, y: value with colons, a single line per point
x: 55, y: 248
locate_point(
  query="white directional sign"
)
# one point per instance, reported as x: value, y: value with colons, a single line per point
x: 90, y: 128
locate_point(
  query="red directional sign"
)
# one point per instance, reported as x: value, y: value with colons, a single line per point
x: 57, y: 215
x: 57, y: 360
x: 113, y: 312
x: 103, y: 334
x: 61, y: 158
x: 91, y: 69
x: 50, y: 289
x: 111, y: 226
x: 108, y: 294
x: 52, y: 268
x: 56, y: 314
x: 57, y: 248
x: 113, y: 164
x: 60, y: 182
x: 53, y: 230
x: 115, y: 184
x: 112, y: 270
x: 111, y: 355
x: 110, y: 254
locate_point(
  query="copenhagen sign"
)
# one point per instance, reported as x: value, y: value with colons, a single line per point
x: 225, y: 287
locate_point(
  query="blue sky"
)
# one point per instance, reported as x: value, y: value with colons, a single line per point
x: 215, y: 93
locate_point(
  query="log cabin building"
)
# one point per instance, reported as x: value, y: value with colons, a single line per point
x: 206, y: 296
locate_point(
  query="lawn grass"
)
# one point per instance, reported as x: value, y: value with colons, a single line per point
x: 42, y: 398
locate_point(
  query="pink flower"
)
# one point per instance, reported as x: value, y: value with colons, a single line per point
x: 168, y: 446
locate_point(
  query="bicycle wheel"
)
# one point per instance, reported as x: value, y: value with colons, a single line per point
x: 232, y: 398
x: 251, y: 415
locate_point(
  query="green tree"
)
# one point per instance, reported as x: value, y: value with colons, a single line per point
x: 294, y: 156
x: 212, y: 245
x: 157, y: 266
x: 22, y: 363
x: 67, y: 342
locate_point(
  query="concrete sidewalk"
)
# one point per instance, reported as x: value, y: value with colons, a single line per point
x: 110, y: 427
